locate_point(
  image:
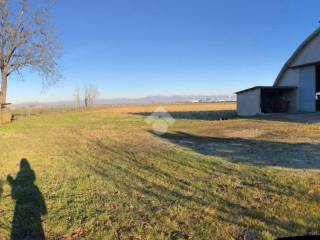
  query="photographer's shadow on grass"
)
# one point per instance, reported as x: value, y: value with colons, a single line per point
x: 29, y: 205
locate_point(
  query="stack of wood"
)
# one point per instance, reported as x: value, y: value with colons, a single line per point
x: 281, y: 106
x: 275, y: 106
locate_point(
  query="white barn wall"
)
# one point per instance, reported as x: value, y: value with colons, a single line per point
x: 307, y: 89
x: 292, y: 96
x: 292, y: 78
x: 310, y: 53
x: 248, y: 103
x: 304, y: 79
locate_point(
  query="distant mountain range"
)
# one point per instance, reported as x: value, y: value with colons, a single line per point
x: 144, y: 100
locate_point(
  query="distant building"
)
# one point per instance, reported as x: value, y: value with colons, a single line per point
x: 296, y: 89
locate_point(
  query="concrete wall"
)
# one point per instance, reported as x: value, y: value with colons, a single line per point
x: 248, y: 103
x: 307, y: 89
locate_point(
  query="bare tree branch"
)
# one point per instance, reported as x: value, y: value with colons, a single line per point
x: 26, y: 41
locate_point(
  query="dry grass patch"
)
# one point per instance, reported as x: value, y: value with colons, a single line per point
x: 104, y: 175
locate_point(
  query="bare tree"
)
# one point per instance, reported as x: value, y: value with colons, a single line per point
x: 77, y: 97
x: 90, y: 95
x: 26, y: 41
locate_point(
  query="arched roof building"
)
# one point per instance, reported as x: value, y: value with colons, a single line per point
x: 296, y: 89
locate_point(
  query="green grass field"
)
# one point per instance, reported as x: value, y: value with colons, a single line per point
x: 103, y: 174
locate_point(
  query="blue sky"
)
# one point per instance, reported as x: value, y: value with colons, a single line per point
x: 136, y: 48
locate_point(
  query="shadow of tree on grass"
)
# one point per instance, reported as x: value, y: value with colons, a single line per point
x: 30, y: 205
x: 161, y: 188
x: 304, y: 118
x: 195, y: 115
x: 251, y: 152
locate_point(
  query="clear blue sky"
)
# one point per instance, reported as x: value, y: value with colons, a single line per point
x: 135, y: 48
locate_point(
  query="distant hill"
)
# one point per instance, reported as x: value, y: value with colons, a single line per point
x: 144, y: 100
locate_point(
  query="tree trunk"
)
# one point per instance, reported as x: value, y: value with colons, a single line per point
x: 4, y: 82
x: 86, y: 102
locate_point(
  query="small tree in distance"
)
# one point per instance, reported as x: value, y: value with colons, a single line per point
x: 77, y: 97
x: 26, y: 41
x: 90, y: 95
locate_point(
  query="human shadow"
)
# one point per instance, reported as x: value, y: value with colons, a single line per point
x: 251, y: 151
x: 194, y: 115
x: 30, y: 204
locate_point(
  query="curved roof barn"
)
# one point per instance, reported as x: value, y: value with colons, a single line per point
x: 308, y: 52
x: 296, y: 88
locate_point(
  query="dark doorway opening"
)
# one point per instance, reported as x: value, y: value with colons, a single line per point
x: 318, y: 88
x: 278, y: 99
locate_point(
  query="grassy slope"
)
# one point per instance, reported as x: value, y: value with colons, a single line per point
x: 105, y: 176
